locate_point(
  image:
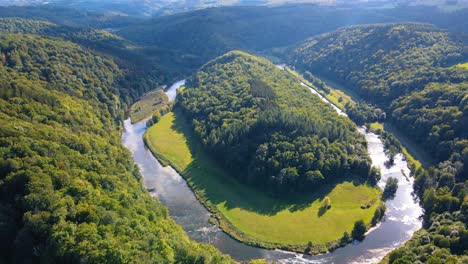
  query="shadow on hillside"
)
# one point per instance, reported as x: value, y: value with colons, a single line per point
x: 219, y: 187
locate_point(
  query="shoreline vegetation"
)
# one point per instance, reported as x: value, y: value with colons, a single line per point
x: 147, y: 105
x: 171, y: 142
x: 378, y: 128
x: 223, y: 220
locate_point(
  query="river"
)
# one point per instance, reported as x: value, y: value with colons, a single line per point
x: 401, y: 220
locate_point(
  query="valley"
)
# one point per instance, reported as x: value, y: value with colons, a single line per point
x: 354, y: 152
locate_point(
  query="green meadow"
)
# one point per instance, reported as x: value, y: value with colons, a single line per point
x: 463, y: 65
x: 249, y: 215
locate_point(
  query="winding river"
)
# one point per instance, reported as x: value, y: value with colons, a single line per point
x: 401, y: 221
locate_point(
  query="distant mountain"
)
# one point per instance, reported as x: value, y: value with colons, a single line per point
x: 204, y: 34
x: 166, y: 7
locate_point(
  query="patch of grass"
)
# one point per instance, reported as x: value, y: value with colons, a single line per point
x: 462, y: 65
x: 147, y: 105
x: 251, y: 216
x: 413, y: 163
x: 337, y: 97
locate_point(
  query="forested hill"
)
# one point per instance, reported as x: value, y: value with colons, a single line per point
x: 437, y: 117
x: 69, y: 190
x: 202, y: 35
x: 270, y: 131
x: 142, y: 72
x: 211, y: 32
x: 183, y: 42
x: 390, y: 63
x: 383, y: 62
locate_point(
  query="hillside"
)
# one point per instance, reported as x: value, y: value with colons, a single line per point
x: 383, y: 62
x: 181, y: 43
x: 143, y: 72
x: 436, y: 116
x: 267, y: 128
x: 69, y: 190
x: 204, y: 34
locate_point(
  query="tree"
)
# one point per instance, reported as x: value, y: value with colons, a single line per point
x: 345, y: 238
x: 326, y: 205
x: 378, y: 214
x: 359, y: 230
x: 390, y: 189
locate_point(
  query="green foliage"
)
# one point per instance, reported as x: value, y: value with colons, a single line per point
x: 405, y: 69
x: 435, y: 117
x: 19, y: 25
x: 383, y: 62
x: 435, y: 246
x: 379, y: 214
x: 69, y: 190
x: 390, y: 189
x: 142, y: 72
x: 346, y: 238
x: 359, y: 230
x: 71, y: 17
x: 269, y: 130
x: 363, y: 113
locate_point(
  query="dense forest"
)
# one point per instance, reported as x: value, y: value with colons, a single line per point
x: 269, y: 130
x: 69, y: 190
x: 143, y: 72
x: 436, y: 117
x: 187, y: 40
x: 411, y: 71
x: 383, y: 62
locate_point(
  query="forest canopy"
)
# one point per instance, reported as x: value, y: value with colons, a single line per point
x: 383, y: 62
x: 69, y: 190
x: 270, y: 131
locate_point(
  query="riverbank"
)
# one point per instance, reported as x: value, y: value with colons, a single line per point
x: 340, y: 95
x: 255, y: 218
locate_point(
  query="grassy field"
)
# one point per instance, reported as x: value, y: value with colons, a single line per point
x: 376, y: 126
x: 463, y: 65
x: 339, y: 98
x: 253, y: 217
x: 413, y: 163
x: 146, y: 106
